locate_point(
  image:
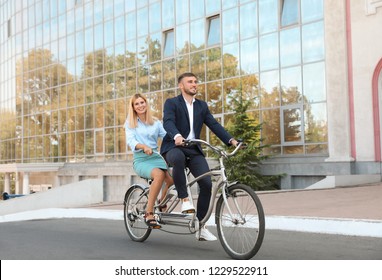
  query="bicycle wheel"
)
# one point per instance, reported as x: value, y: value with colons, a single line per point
x: 241, y: 232
x: 134, y: 210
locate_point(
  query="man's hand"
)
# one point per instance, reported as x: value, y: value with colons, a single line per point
x: 179, y: 141
x: 234, y: 142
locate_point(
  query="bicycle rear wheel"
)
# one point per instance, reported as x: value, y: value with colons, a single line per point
x: 133, y: 212
x: 241, y: 232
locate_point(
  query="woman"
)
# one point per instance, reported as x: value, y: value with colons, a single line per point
x: 142, y: 133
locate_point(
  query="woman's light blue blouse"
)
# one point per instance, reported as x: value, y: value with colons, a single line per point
x: 144, y: 134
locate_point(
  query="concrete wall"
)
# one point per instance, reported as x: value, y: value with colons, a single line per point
x: 73, y: 195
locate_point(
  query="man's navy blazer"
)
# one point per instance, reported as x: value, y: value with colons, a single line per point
x: 177, y: 121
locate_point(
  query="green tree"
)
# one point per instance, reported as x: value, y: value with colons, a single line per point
x: 245, y: 165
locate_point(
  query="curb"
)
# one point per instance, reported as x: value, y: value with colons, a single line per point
x: 351, y: 227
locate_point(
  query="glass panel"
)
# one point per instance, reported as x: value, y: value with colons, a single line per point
x: 155, y: 47
x: 80, y: 118
x: 229, y: 3
x: 230, y: 22
x: 315, y: 121
x: 291, y: 87
x: 214, y: 64
x: 314, y: 82
x: 168, y: 14
x: 142, y: 22
x: 197, y: 65
x: 214, y: 97
x: 168, y: 73
x: 230, y: 89
x: 271, y: 126
x: 98, y: 37
x: 289, y: 12
x: 312, y: 10
x: 89, y: 117
x: 131, y: 26
x: 293, y: 150
x: 250, y: 90
x: 109, y: 140
x: 197, y: 34
x: 155, y: 76
x: 131, y: 53
x: 248, y: 20
x: 269, y: 52
x: 313, y: 42
x: 182, y: 40
x: 317, y: 149
x: 143, y: 78
x: 131, y: 77
x: 99, y: 115
x: 249, y: 59
x: 268, y: 16
x: 269, y: 84
x: 197, y: 7
x: 142, y: 50
x: 231, y: 60
x: 212, y: 6
x: 292, y: 125
x: 183, y: 64
x: 156, y: 103
x: 99, y: 142
x: 89, y: 142
x: 121, y: 142
x: 119, y: 29
x: 109, y: 113
x: 213, y: 36
x: 182, y: 11
x: 80, y: 145
x: 290, y: 47
x: 120, y: 112
x: 155, y: 17
x: 169, y: 49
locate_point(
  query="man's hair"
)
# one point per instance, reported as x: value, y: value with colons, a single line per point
x: 187, y: 74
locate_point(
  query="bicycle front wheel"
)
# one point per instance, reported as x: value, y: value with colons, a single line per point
x: 133, y: 212
x: 240, y: 222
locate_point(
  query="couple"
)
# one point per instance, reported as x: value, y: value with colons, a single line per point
x: 183, y: 118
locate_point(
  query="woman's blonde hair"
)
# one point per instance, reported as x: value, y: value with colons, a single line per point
x: 132, y: 117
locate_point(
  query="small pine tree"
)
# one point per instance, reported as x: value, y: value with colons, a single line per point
x: 244, y: 166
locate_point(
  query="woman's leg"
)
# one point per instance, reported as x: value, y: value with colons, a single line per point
x: 158, y: 177
x: 168, y: 182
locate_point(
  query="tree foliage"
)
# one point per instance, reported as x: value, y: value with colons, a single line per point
x: 244, y: 167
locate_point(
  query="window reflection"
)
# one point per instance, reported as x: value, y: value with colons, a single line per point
x: 292, y: 119
x: 197, y: 34
x: 312, y: 42
x: 268, y: 16
x: 289, y: 12
x: 314, y: 82
x: 213, y: 35
x: 290, y: 47
x: 230, y: 21
x: 291, y: 88
x: 269, y: 58
x: 248, y: 20
x: 249, y: 60
x: 92, y: 64
x: 168, y: 49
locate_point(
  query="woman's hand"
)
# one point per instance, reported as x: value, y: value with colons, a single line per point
x: 147, y: 150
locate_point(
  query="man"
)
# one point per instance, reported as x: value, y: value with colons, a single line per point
x: 183, y: 118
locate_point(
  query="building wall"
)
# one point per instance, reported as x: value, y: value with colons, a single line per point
x: 367, y: 52
x: 343, y: 145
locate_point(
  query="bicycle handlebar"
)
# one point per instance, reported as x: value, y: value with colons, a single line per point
x: 217, y: 150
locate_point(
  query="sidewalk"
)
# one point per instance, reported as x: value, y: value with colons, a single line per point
x: 342, y: 210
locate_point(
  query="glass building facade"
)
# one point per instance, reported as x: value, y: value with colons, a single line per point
x: 68, y: 68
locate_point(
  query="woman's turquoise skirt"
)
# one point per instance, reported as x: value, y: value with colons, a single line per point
x: 143, y: 164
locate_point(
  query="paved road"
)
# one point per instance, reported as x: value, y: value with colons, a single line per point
x: 101, y: 239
